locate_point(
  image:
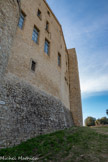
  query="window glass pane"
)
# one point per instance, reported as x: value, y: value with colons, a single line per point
x: 39, y: 13
x: 59, y: 59
x: 35, y: 35
x: 46, y: 47
x: 21, y: 21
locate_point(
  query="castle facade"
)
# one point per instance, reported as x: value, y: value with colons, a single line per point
x: 40, y: 86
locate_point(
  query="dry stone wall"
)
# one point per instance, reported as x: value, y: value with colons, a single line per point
x: 26, y: 112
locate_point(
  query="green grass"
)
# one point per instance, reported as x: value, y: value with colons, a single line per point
x: 70, y: 145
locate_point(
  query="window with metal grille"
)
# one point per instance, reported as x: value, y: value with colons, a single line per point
x: 46, y: 47
x: 35, y: 35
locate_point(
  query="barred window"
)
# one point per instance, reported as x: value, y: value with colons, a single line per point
x: 21, y: 20
x: 35, y: 35
x: 46, y: 47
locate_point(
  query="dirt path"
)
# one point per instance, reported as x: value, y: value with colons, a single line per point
x: 101, y: 129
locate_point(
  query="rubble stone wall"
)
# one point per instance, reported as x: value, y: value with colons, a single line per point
x: 26, y: 112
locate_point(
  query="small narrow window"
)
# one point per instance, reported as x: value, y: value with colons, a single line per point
x: 21, y: 20
x: 48, y: 13
x: 46, y: 47
x: 47, y: 26
x: 39, y: 14
x: 59, y: 59
x: 35, y: 35
x: 33, y: 65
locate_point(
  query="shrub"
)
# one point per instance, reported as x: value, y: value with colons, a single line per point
x: 101, y: 121
x: 98, y: 122
x: 90, y: 121
x: 104, y: 120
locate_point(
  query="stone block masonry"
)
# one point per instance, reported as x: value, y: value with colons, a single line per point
x: 26, y: 112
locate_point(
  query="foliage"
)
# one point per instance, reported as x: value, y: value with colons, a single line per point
x: 98, y: 122
x: 90, y: 121
x: 101, y: 121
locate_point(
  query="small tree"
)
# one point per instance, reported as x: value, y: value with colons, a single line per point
x: 90, y: 121
x: 101, y: 121
x: 104, y: 120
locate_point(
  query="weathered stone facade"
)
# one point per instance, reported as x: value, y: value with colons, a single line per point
x: 75, y: 96
x: 42, y: 101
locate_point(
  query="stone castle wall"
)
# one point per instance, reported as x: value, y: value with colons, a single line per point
x: 48, y: 76
x: 25, y: 111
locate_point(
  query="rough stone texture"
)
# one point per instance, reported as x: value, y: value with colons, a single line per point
x: 26, y: 112
x: 75, y: 96
x: 9, y: 14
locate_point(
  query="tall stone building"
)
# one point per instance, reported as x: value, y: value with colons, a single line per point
x: 40, y: 89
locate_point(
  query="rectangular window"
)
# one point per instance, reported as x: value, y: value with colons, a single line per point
x: 39, y: 14
x: 21, y: 20
x: 33, y: 65
x: 47, y: 26
x: 35, y: 35
x: 46, y: 47
x: 59, y: 59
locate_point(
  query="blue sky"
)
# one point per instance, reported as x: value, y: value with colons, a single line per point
x: 85, y: 27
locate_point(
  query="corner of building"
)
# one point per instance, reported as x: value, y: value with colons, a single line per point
x: 74, y: 88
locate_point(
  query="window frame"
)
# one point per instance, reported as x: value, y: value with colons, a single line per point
x: 47, y: 47
x: 33, y: 65
x: 39, y: 14
x: 48, y: 12
x: 35, y: 34
x: 47, y: 26
x: 59, y: 59
x: 21, y: 20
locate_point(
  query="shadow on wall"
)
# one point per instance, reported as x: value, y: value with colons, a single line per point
x: 27, y: 112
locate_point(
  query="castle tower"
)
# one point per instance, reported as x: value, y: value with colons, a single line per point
x: 75, y: 96
x: 9, y: 14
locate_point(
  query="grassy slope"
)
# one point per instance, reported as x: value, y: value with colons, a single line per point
x: 74, y: 144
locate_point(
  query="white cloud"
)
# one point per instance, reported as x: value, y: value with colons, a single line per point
x: 95, y: 84
x: 92, y: 52
x: 89, y: 35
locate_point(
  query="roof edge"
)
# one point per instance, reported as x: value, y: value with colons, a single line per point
x: 52, y: 12
x: 56, y: 21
